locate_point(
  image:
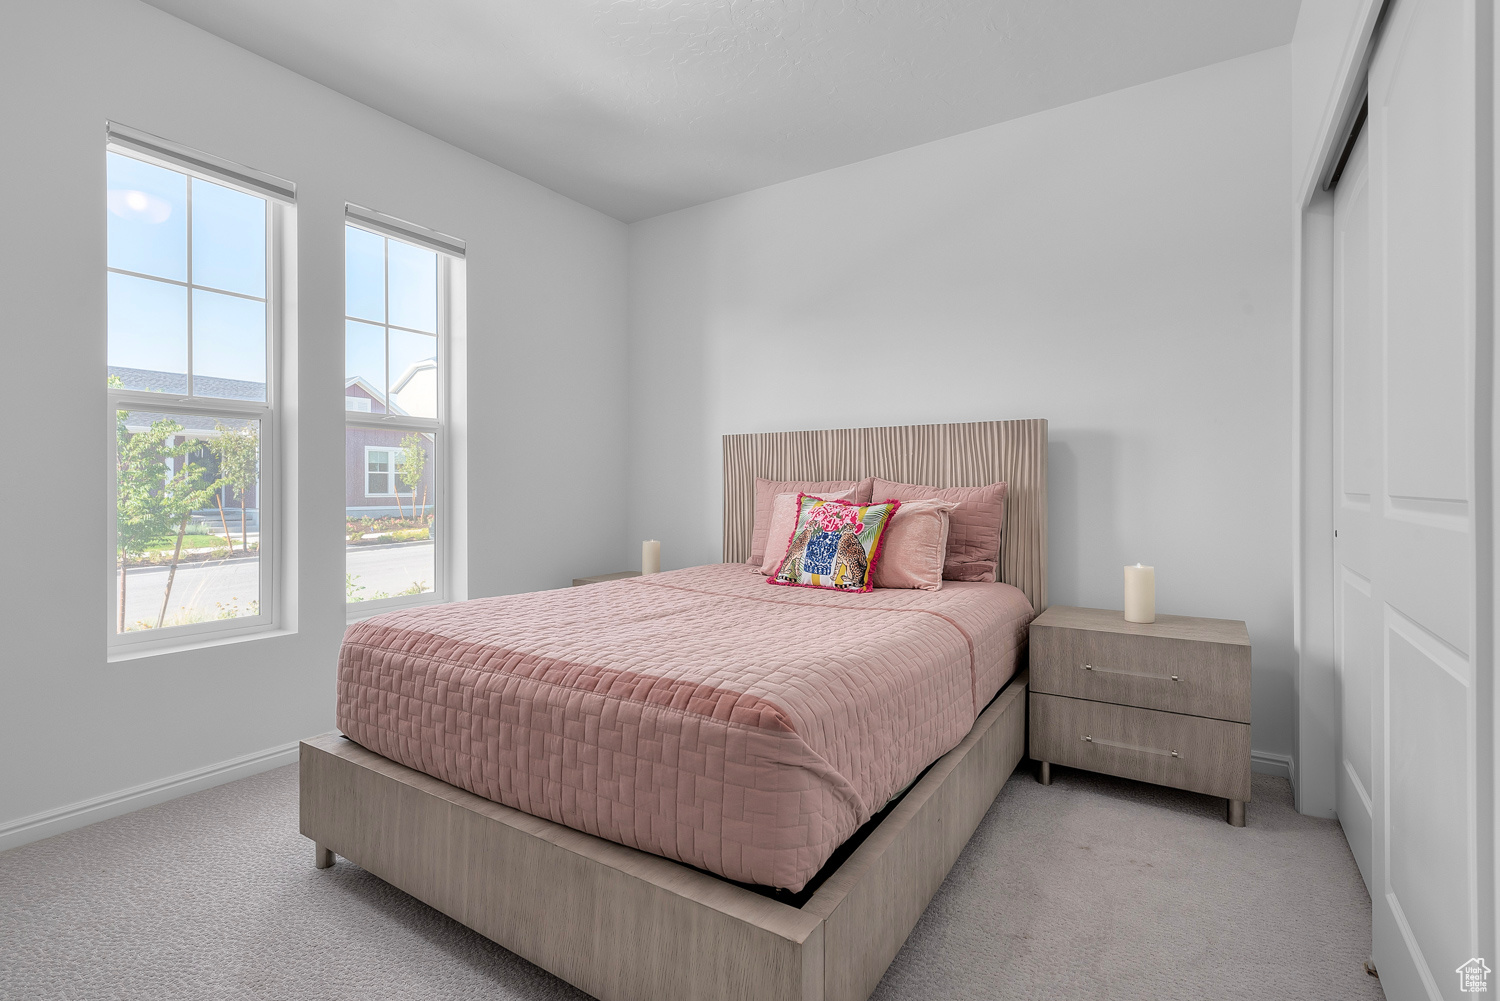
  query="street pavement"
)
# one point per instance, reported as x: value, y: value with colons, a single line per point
x: 208, y: 586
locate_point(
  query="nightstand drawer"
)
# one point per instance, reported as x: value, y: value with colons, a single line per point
x: 1186, y: 752
x: 1177, y: 675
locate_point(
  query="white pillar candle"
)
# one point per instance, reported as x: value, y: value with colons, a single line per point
x: 1140, y: 594
x: 650, y: 556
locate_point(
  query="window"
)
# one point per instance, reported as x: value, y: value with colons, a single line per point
x: 192, y: 300
x: 382, y: 473
x: 378, y: 471
x: 395, y: 287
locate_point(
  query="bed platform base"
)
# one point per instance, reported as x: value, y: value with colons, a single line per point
x: 624, y: 925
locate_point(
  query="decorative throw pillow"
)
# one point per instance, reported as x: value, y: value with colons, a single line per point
x: 783, y: 520
x: 973, y: 529
x: 766, y: 490
x: 915, y: 546
x: 836, y: 544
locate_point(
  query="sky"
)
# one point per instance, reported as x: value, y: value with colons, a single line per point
x: 149, y: 319
x: 149, y: 235
x: 413, y: 303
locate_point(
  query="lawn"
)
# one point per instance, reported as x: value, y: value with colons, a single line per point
x: 168, y: 543
x: 357, y: 535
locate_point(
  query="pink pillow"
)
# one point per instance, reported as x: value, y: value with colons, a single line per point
x: 973, y: 529
x: 915, y: 545
x: 766, y: 491
x: 783, y: 521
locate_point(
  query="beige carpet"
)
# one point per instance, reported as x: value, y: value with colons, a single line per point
x: 1089, y: 888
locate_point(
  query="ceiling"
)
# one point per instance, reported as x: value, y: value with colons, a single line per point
x: 639, y: 107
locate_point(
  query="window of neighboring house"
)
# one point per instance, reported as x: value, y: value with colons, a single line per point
x: 378, y: 472
x: 192, y: 305
x: 396, y: 285
x: 382, y: 475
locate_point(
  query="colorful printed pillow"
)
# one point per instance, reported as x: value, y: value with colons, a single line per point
x: 783, y: 521
x: 835, y: 545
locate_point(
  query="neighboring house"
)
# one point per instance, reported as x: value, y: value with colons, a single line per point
x: 373, y: 487
x: 415, y: 392
x: 372, y: 457
x: 194, y: 426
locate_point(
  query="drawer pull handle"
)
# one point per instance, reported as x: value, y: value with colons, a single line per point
x: 1130, y: 747
x: 1133, y: 674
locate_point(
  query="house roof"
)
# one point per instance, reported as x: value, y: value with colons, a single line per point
x: 425, y: 365
x: 175, y: 383
x: 391, y: 406
x: 192, y: 424
x: 153, y: 381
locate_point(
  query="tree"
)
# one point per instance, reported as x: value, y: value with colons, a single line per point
x: 157, y: 488
x: 140, y: 476
x: 217, y: 446
x: 413, y: 462
x: 238, y: 452
x: 187, y: 489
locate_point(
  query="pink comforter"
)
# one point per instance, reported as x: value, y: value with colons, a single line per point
x: 699, y: 714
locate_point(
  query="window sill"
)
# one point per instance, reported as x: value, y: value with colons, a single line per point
x: 359, y: 610
x: 186, y: 644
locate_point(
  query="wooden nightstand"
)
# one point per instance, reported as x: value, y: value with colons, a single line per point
x: 601, y: 578
x: 1165, y: 702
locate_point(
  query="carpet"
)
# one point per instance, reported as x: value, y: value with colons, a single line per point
x: 1091, y: 887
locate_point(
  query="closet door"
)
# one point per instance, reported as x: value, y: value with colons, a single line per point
x: 1425, y: 801
x: 1356, y: 427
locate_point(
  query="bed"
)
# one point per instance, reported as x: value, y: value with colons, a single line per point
x: 698, y: 714
x: 690, y: 784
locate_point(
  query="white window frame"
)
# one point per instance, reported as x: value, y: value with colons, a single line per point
x: 449, y: 252
x: 280, y: 200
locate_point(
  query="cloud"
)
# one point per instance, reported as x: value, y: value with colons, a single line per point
x: 130, y: 204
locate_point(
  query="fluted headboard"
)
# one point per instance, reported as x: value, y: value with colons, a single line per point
x: 941, y: 455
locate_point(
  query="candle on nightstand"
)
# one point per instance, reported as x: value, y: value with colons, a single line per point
x: 650, y: 556
x: 1140, y: 594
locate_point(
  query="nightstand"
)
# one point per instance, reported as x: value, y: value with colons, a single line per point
x: 601, y: 578
x: 1165, y: 702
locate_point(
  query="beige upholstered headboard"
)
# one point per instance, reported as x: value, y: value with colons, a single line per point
x: 941, y: 455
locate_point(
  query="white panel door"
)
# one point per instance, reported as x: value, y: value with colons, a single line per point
x: 1419, y: 618
x: 1356, y: 428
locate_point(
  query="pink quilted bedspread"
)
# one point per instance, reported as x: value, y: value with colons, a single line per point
x: 699, y: 714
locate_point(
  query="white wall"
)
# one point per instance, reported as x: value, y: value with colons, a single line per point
x: 1120, y: 266
x: 546, y: 345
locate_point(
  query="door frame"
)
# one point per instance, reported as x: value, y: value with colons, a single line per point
x: 1316, y: 756
x: 1316, y: 753
x: 1354, y: 550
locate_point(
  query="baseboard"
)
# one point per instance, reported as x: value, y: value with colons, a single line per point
x: 91, y: 811
x: 1268, y: 763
